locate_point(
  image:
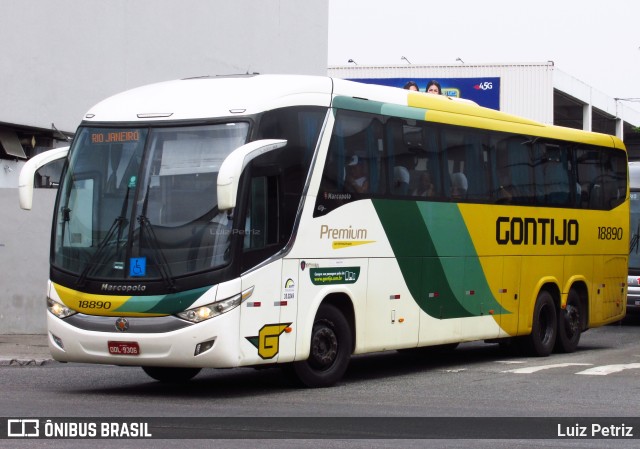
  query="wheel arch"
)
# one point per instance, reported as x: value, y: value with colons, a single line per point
x: 548, y: 284
x: 551, y: 286
x: 343, y: 303
x: 338, y: 299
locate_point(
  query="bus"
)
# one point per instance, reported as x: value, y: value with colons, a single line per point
x: 231, y: 221
x: 633, y: 280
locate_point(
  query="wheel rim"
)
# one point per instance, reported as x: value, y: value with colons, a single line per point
x: 324, y: 348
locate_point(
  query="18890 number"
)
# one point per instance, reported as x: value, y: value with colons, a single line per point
x: 94, y: 304
x: 609, y: 233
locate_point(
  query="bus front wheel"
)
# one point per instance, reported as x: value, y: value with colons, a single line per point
x: 543, y: 333
x: 170, y: 375
x: 330, y: 350
x: 569, y: 324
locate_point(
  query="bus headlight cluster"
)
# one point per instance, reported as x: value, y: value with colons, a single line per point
x: 59, y: 310
x: 202, y: 313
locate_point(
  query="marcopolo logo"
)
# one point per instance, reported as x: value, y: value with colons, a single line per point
x: 123, y: 288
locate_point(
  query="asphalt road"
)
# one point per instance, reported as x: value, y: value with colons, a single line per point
x: 476, y: 380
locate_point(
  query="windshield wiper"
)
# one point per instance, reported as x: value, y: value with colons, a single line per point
x: 152, y: 240
x: 635, y: 240
x: 161, y: 260
x: 97, y: 257
x: 118, y: 224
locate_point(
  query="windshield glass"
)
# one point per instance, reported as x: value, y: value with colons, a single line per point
x: 141, y: 203
x: 634, y: 253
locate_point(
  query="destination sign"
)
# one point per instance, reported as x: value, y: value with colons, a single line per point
x: 115, y: 136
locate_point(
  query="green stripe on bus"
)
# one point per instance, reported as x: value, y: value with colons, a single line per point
x: 376, y: 107
x: 162, y: 304
x: 435, y: 253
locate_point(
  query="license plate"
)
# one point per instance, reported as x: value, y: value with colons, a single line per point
x: 637, y: 302
x: 124, y: 348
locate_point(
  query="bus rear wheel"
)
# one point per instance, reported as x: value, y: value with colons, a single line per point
x: 544, y: 330
x: 170, y: 375
x: 569, y: 324
x: 330, y: 350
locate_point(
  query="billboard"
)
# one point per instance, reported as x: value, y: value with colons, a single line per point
x: 485, y: 91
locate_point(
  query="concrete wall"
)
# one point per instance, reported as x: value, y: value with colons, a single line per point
x: 59, y: 57
x: 24, y: 261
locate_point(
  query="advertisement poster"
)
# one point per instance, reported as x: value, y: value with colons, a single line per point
x: 485, y: 91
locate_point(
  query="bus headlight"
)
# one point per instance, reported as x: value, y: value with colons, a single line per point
x: 59, y: 310
x: 202, y: 313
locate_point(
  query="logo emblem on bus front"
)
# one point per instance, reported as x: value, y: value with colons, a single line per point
x: 122, y: 325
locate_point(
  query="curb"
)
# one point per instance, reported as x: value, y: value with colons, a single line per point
x: 6, y: 361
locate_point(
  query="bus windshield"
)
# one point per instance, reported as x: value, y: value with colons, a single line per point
x: 141, y: 202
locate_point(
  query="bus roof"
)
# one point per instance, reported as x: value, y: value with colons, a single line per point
x: 224, y: 96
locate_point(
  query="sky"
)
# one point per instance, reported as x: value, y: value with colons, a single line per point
x: 597, y: 42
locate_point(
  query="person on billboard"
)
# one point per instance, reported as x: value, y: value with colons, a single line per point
x: 411, y: 85
x: 433, y: 87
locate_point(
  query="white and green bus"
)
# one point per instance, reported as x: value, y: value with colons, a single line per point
x: 251, y: 220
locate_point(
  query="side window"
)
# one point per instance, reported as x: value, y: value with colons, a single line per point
x: 277, y: 180
x: 428, y: 176
x: 261, y: 222
x: 512, y: 172
x: 602, y: 177
x: 403, y: 143
x: 354, y: 167
x: 554, y: 174
x: 466, y: 154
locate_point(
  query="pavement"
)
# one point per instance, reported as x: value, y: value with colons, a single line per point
x: 24, y: 350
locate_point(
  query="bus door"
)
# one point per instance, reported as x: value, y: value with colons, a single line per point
x: 261, y: 329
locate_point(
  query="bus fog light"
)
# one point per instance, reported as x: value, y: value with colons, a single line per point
x: 59, y: 310
x: 58, y: 341
x: 204, y: 346
x: 208, y: 311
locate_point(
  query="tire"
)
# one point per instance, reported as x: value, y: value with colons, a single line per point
x: 170, y: 375
x: 543, y: 333
x: 331, y: 343
x: 569, y: 324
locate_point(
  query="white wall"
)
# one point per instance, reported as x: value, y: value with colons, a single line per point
x: 59, y: 57
x: 24, y: 261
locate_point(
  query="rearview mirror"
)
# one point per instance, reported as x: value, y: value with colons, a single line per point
x: 28, y: 172
x: 234, y: 164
